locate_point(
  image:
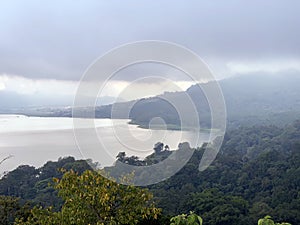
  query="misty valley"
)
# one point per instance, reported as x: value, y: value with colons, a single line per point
x: 150, y: 112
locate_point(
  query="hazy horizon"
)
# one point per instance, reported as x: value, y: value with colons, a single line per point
x: 46, y: 48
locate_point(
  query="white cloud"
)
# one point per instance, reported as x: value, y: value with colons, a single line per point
x: 26, y: 86
x: 125, y: 90
x: 267, y: 66
x: 2, y: 86
x: 142, y: 88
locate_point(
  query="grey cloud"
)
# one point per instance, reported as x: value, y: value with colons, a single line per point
x: 59, y: 39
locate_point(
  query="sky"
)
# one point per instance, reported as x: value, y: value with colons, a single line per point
x: 46, y: 46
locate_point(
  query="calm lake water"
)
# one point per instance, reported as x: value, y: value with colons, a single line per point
x: 36, y: 140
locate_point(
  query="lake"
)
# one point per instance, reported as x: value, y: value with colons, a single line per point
x: 36, y: 140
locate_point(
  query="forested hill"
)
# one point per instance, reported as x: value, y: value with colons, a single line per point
x: 250, y: 99
x: 256, y: 173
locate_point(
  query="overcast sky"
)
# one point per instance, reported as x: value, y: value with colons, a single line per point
x: 58, y: 40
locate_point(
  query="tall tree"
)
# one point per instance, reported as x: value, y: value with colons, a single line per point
x: 92, y: 199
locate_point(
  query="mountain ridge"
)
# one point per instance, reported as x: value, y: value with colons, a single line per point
x: 249, y: 99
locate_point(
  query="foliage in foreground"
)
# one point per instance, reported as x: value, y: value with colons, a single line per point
x: 11, y: 208
x: 184, y: 219
x: 194, y: 219
x: 268, y: 221
x: 92, y: 199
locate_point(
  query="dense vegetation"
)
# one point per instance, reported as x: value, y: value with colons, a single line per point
x: 256, y: 173
x: 90, y: 198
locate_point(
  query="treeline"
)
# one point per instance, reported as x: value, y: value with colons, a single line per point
x: 256, y: 173
x: 35, y: 185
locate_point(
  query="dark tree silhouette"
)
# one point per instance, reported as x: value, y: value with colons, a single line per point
x: 158, y: 147
x: 121, y: 156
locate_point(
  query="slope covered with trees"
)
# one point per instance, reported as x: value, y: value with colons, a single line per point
x: 256, y: 173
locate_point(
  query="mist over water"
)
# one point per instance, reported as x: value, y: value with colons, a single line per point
x: 36, y: 140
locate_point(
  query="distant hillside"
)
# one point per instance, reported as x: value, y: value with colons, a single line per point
x: 249, y: 99
x: 261, y: 98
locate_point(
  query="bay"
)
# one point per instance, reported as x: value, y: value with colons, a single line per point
x: 36, y: 140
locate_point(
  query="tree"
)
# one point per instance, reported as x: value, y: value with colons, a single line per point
x: 158, y: 147
x: 216, y: 208
x: 183, y: 219
x: 121, y: 156
x: 11, y: 208
x: 92, y: 199
x: 268, y: 221
x: 167, y: 148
